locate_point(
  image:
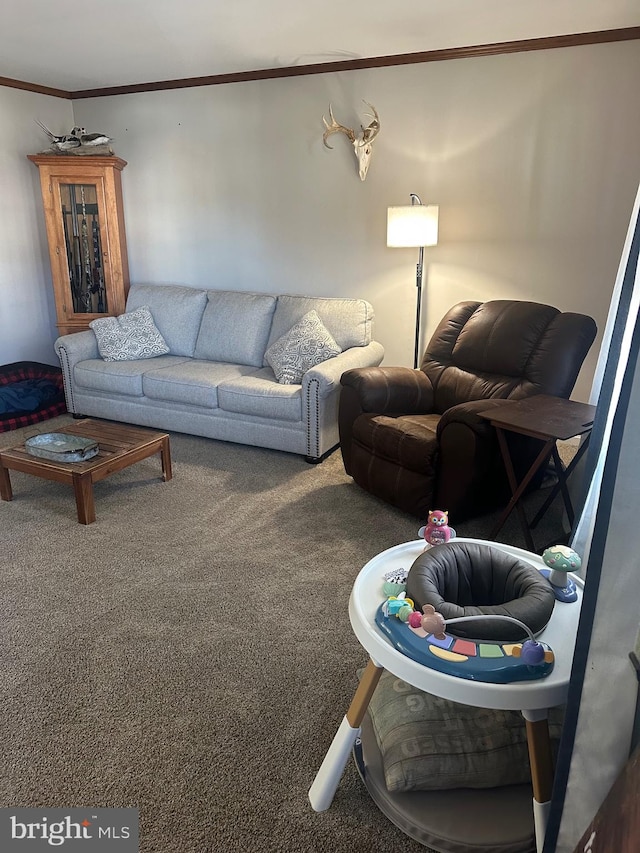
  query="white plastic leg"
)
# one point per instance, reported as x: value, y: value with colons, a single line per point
x: 540, y: 817
x: 331, y: 770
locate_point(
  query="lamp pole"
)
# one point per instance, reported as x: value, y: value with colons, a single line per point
x: 415, y: 199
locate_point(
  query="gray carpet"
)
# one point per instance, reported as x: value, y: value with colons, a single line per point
x: 190, y: 653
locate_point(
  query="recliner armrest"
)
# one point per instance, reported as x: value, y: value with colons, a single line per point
x: 467, y: 414
x: 380, y: 390
x: 389, y: 390
x: 472, y: 470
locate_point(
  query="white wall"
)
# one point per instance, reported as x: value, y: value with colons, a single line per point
x: 532, y: 157
x: 27, y: 310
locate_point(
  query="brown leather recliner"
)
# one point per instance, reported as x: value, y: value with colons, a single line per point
x: 414, y: 437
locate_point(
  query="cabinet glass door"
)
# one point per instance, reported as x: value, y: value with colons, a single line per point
x: 83, y: 243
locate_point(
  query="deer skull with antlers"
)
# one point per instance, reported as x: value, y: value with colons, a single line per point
x: 362, y: 145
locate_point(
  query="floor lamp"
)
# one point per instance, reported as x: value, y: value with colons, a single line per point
x: 414, y: 226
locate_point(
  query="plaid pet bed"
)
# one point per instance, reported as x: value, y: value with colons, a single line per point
x: 20, y: 371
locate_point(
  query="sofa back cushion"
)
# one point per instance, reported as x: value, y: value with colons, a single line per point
x: 177, y: 312
x: 348, y: 320
x: 235, y: 327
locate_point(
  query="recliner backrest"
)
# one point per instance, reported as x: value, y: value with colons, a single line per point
x: 506, y: 349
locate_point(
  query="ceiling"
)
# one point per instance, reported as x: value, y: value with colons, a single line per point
x: 74, y: 46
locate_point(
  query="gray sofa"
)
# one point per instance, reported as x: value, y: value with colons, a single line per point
x: 215, y: 381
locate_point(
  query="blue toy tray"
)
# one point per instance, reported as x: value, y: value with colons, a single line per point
x: 498, y: 663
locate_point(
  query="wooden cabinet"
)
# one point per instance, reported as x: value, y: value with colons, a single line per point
x: 82, y: 199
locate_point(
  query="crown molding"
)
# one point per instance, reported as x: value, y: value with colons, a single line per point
x: 473, y: 51
x: 34, y: 87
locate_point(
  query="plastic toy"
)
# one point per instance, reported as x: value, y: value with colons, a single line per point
x: 415, y: 620
x: 399, y: 606
x: 432, y: 622
x: 437, y: 531
x: 422, y: 638
x: 561, y: 559
x: 494, y: 647
x: 395, y: 582
x: 531, y: 651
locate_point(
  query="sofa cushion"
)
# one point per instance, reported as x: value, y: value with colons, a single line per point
x: 129, y: 336
x: 118, y: 377
x: 349, y: 320
x: 194, y: 383
x: 235, y: 327
x: 177, y: 312
x: 306, y: 344
x: 430, y: 743
x: 260, y: 394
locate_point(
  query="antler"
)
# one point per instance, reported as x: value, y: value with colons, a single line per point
x: 334, y: 127
x: 370, y: 132
x: 362, y: 144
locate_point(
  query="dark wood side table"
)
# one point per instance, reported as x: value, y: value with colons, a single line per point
x: 551, y: 419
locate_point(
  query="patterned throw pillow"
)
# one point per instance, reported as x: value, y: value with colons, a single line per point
x: 306, y: 344
x: 129, y: 336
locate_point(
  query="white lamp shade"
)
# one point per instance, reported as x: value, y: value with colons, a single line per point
x: 412, y: 226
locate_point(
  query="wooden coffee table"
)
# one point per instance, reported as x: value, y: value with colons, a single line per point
x: 120, y: 446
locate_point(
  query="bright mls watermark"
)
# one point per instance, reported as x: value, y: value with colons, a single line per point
x: 74, y: 830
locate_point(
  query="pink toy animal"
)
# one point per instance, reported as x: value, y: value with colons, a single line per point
x: 433, y: 622
x: 437, y: 530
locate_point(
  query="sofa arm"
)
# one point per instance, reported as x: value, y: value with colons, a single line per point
x: 72, y: 349
x: 321, y: 394
x: 327, y: 374
x: 79, y: 346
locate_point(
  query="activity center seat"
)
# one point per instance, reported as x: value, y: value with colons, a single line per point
x: 461, y: 579
x: 453, y: 725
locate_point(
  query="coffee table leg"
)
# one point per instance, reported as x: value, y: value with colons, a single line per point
x: 5, y: 484
x: 165, y: 455
x: 83, y: 488
x: 328, y: 776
